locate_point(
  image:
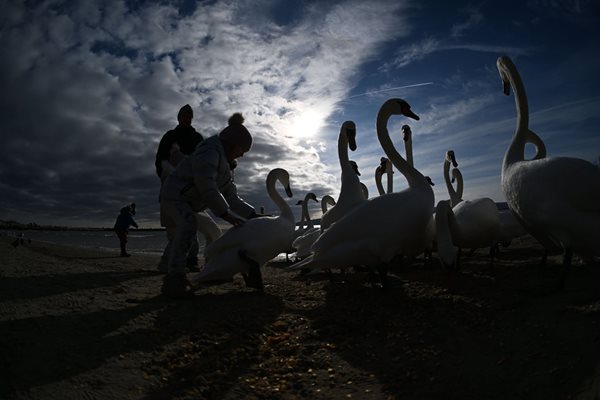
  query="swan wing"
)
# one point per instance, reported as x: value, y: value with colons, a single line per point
x: 236, y: 237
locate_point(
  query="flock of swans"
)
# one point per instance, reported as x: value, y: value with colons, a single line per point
x: 543, y: 197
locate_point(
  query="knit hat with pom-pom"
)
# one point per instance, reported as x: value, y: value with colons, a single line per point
x: 236, y: 133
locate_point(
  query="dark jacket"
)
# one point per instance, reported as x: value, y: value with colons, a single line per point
x: 186, y: 137
x: 125, y: 220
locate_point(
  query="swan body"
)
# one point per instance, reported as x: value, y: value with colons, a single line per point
x: 351, y: 192
x: 471, y: 223
x: 510, y: 227
x: 556, y: 199
x: 258, y: 239
x: 375, y: 231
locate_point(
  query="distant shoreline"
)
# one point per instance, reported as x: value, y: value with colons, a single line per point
x: 21, y: 227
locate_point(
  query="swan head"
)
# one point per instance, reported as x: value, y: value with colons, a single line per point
x: 311, y: 196
x: 354, y: 167
x: 400, y: 107
x: 383, y: 163
x: 300, y: 202
x: 282, y: 176
x: 504, y: 65
x: 349, y: 129
x: 451, y: 158
x: 428, y: 179
x: 288, y: 190
x: 406, y: 133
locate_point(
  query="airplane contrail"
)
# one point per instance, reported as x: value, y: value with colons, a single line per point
x: 386, y: 90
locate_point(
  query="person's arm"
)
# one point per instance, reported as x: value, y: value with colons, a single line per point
x: 164, y: 152
x: 205, y: 168
x: 236, y: 203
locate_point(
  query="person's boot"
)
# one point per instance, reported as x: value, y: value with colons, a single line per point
x: 253, y: 278
x: 192, y: 265
x: 177, y: 286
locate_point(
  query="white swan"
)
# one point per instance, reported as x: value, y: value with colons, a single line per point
x: 305, y: 216
x: 510, y: 227
x: 375, y: 231
x: 385, y: 167
x: 472, y: 223
x: 455, y: 195
x: 351, y: 192
x: 257, y: 241
x: 303, y: 244
x: 557, y: 199
x: 363, y: 187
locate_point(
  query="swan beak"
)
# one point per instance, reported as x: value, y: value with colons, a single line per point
x: 506, y: 87
x: 411, y: 114
x: 288, y: 191
x: 429, y: 181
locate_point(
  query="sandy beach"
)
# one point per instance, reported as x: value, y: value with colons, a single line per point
x: 84, y: 324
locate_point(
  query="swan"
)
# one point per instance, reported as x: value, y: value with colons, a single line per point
x: 351, y: 192
x: 455, y: 195
x: 556, y: 199
x: 472, y: 223
x: 303, y: 244
x: 305, y: 216
x: 363, y: 187
x: 375, y: 231
x: 257, y: 241
x: 510, y: 228
x: 385, y: 167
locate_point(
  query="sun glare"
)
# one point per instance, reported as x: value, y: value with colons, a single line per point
x: 306, y: 124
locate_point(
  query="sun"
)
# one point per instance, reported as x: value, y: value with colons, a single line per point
x: 306, y: 124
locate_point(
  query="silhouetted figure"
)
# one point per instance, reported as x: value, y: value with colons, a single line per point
x: 124, y: 221
x: 174, y: 146
x: 204, y: 180
x: 20, y: 240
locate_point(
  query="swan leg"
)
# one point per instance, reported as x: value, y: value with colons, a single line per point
x: 544, y: 258
x: 458, y: 254
x: 493, y: 251
x: 253, y: 278
x: 383, y: 279
x: 566, y: 268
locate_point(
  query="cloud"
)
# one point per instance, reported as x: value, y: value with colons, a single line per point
x: 92, y: 87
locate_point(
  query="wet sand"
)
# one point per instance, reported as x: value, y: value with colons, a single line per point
x: 84, y: 324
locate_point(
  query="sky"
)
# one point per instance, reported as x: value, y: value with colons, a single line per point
x: 89, y: 88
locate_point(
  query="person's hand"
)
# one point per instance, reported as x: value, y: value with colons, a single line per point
x: 257, y: 215
x: 232, y: 219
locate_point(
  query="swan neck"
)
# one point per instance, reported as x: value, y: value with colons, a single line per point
x: 390, y: 177
x: 459, y: 188
x: 343, y: 148
x: 286, y: 211
x: 451, y: 191
x: 413, y: 176
x: 378, y: 183
x: 409, y: 152
x: 516, y: 150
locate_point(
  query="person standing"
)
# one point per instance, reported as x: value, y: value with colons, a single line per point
x: 174, y: 146
x: 121, y: 228
x: 204, y: 180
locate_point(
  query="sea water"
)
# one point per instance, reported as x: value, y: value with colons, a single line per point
x: 149, y: 242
